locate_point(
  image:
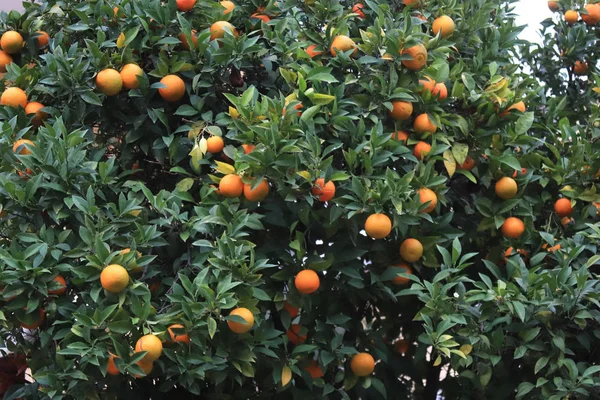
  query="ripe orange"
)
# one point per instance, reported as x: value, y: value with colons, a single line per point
x: 218, y: 29
x: 325, y: 191
x: 411, y: 2
x: 61, y: 281
x: 411, y: 250
x: 146, y: 366
x: 357, y: 9
x: 262, y: 17
x: 597, y: 205
x: 506, y: 188
x: 519, y: 106
x: 402, y: 268
x: 132, y: 265
x: 401, y: 136
x: 184, y: 42
x: 362, y: 364
x: 34, y: 322
x: 580, y: 68
x: 342, y: 43
x: 553, y: 5
x: 151, y: 344
x: 443, y: 24
x: 419, y: 57
x: 468, y: 165
x: 571, y: 16
x: 421, y: 150
x: 307, y: 281
x: 426, y: 195
x: 175, y: 88
x: 5, y: 59
x: 401, y: 346
x: 112, y: 366
x: 427, y: 84
x: 239, y: 327
x: 312, y: 51
x: 592, y: 17
x: 563, y: 208
x: 114, y: 278
x: 14, y: 97
x: 229, y: 6
x: 129, y: 76
x: 248, y: 148
x: 34, y: 108
x: 231, y: 185
x: 294, y: 335
x: 25, y: 174
x: 42, y: 39
x: 566, y: 221
x: 19, y: 148
x: 522, y: 172
x: 293, y: 311
x: 109, y: 82
x: 178, y: 338
x: 314, y: 370
x: 259, y: 193
x: 401, y: 110
x: 423, y: 124
x: 185, y: 5
x: 440, y: 91
x: 509, y: 252
x: 378, y: 226
x: 215, y: 144
x: 11, y: 42
x: 513, y: 227
x: 551, y: 249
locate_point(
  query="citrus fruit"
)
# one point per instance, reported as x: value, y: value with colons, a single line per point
x: 411, y: 250
x: 109, y: 82
x: 402, y: 268
x: 421, y: 150
x: 35, y: 107
x: 566, y: 221
x: 248, y: 148
x: 114, y: 278
x: 129, y: 76
x: 325, y: 191
x: 62, y: 290
x: 401, y: 110
x: 553, y: 5
x: 146, y: 366
x: 19, y: 148
x: 506, y: 188
x: 11, y: 42
x: 510, y: 250
x: 357, y: 9
x: 262, y: 17
x: 218, y: 29
x: 428, y: 195
x: 112, y: 366
x: 231, y: 185
x: 378, y: 226
x: 151, y: 344
x: 314, y: 369
x: 294, y: 335
x: 513, y: 227
x: 571, y: 16
x: 419, y: 57
x: 239, y: 327
x: 31, y: 321
x: 174, y: 90
x: 5, y: 59
x: 443, y: 24
x: 591, y: 17
x: 14, y: 97
x: 401, y: 346
x: 401, y: 136
x: 184, y: 41
x: 307, y: 281
x: 342, y: 43
x: 580, y: 68
x: 468, y: 165
x: 215, y: 144
x: 42, y: 39
x: 178, y: 337
x: 293, y: 311
x: 312, y: 51
x: 423, y: 124
x: 185, y: 5
x: 563, y: 207
x: 362, y: 364
x: 228, y: 5
x: 259, y: 193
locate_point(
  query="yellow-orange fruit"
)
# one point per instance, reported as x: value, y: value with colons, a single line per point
x: 42, y: 39
x: 294, y: 335
x: 401, y: 110
x: 580, y: 68
x: 357, y: 9
x: 423, y: 124
x: 11, y: 42
x: 553, y: 5
x: 325, y: 191
x: 362, y: 364
x: 215, y: 144
x: 563, y: 207
x: 231, y: 185
x: 403, y: 268
x: 293, y: 311
x: 239, y: 327
x: 185, y: 5
x: 571, y: 16
x: 506, y: 188
x: 228, y: 5
x: 63, y: 289
x: 378, y: 226
x: 314, y: 370
x: 419, y: 57
x: 114, y: 278
x: 312, y: 51
x: 426, y: 195
x: 513, y: 228
x: 109, y: 82
x: 112, y: 366
x: 151, y: 344
x: 307, y: 281
x: 129, y: 76
x: 174, y: 90
x: 218, y: 29
x: 178, y: 338
x: 35, y: 108
x: 5, y: 59
x: 18, y: 147
x: 259, y: 193
x: 411, y: 250
x: 14, y: 97
x: 342, y: 43
x: 421, y: 150
x: 443, y: 24
x: 401, y: 136
x: 592, y: 17
x: 184, y: 42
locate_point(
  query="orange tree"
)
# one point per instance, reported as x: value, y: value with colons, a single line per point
x: 289, y: 199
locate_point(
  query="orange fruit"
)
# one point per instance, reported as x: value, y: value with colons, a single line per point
x: 421, y: 150
x: 42, y: 39
x: 325, y: 191
x: 468, y: 165
x: 401, y: 136
x: 114, y: 278
x: 34, y: 108
x: 215, y: 144
x: 112, y: 366
x: 248, y: 148
x: 426, y: 195
x: 411, y: 250
x: 591, y: 17
x: 378, y: 226
x: 401, y: 110
x: 178, y: 338
x: 294, y: 335
x: 571, y: 16
x: 132, y: 263
x: 184, y: 42
x: 443, y: 24
x: 423, y: 124
x: 427, y: 84
x: 362, y: 364
x: 5, y: 59
x: 262, y: 17
x: 174, y: 90
x: 307, y: 281
x: 401, y: 346
x: 580, y: 68
x: 218, y: 29
x: 402, y: 268
x: 314, y: 370
x: 109, y: 82
x: 523, y: 171
x: 25, y: 174
x: 513, y: 227
x: 411, y: 2
x: 440, y: 91
x: 357, y: 9
x: 566, y: 221
x: 151, y: 344
x: 506, y: 188
x: 293, y: 311
x: 259, y: 193
x: 597, y: 205
x: 228, y: 5
x: 32, y: 322
x: 551, y: 249
x: 239, y: 327
x: 519, y: 106
x: 14, y: 97
x: 11, y: 42
x: 185, y: 5
x: 19, y: 148
x: 312, y: 51
x: 231, y: 185
x: 342, y: 43
x: 553, y: 5
x: 419, y: 57
x: 509, y: 252
x: 61, y: 281
x: 146, y: 366
x: 129, y: 76
x: 563, y: 207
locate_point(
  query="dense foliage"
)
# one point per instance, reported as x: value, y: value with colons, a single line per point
x: 203, y: 210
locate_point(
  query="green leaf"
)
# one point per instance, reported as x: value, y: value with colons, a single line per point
x: 185, y: 184
x: 212, y: 327
x: 524, y: 123
x: 541, y: 363
x: 524, y: 388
